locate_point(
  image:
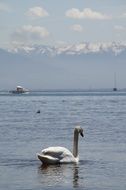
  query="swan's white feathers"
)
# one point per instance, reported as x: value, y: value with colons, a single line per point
x: 56, y: 151
x: 48, y: 159
x: 57, y: 154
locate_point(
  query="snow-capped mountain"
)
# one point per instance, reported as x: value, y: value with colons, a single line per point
x: 74, y: 49
x: 69, y: 66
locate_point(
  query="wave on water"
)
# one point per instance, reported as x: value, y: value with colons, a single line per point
x: 18, y: 162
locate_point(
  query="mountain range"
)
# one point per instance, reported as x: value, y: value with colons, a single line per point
x: 75, y: 49
x: 81, y: 65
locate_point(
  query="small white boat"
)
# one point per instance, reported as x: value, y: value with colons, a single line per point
x: 19, y: 90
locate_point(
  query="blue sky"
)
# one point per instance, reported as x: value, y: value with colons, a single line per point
x: 24, y: 23
x: 56, y: 22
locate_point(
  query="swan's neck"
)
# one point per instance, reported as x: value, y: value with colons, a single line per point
x: 75, y: 144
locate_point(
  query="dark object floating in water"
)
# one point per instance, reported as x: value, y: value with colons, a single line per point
x: 38, y: 111
x: 114, y: 89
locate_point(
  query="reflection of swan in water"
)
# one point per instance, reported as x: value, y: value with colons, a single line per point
x: 75, y: 177
x: 55, y: 155
x: 59, y: 175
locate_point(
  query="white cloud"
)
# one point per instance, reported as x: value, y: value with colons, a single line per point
x: 4, y: 7
x: 119, y: 27
x: 87, y: 13
x: 37, y: 12
x: 30, y: 33
x: 77, y: 28
x: 123, y: 15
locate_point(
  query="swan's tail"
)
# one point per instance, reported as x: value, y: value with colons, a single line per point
x: 46, y: 159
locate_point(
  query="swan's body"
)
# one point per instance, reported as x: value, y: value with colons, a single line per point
x: 55, y: 155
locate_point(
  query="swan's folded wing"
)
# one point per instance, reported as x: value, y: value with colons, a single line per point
x: 48, y: 159
x: 55, y: 152
x: 53, y: 155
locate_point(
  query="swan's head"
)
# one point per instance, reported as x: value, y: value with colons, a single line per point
x: 79, y: 130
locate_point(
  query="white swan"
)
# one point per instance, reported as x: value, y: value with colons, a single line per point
x: 56, y: 155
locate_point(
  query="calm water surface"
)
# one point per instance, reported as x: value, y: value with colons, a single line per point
x: 23, y: 133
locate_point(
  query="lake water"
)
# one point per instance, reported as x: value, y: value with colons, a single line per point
x: 23, y: 133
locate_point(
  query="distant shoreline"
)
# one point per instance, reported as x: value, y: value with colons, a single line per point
x: 74, y: 90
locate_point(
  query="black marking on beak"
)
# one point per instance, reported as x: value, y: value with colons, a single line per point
x: 81, y: 133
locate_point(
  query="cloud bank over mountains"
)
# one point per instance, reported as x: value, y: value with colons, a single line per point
x: 29, y: 32
x: 38, y: 23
